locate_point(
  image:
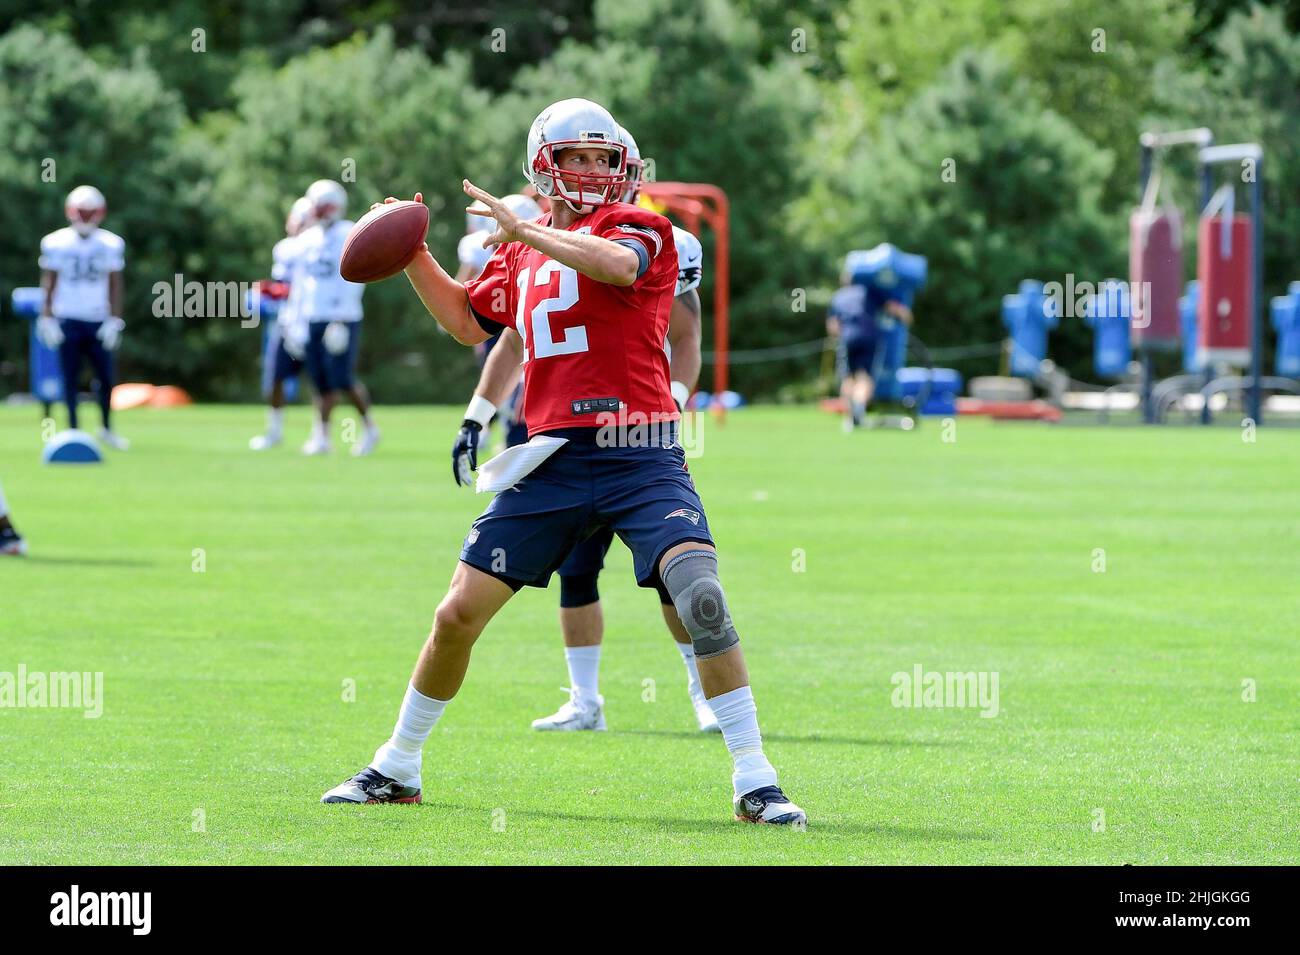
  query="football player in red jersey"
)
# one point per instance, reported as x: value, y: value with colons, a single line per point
x: 582, y: 620
x: 588, y: 287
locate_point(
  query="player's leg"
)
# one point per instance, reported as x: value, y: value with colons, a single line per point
x: 582, y: 626
x: 519, y: 540
x: 345, y: 380
x: 655, y: 509
x: 859, y: 385
x: 316, y: 360
x: 393, y: 775
x: 846, y: 383
x: 11, y: 542
x: 70, y: 365
x: 101, y: 360
x: 866, y: 389
x: 682, y: 640
x: 275, y: 371
x: 689, y: 573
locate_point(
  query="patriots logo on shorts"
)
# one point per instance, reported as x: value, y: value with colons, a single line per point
x: 692, y: 516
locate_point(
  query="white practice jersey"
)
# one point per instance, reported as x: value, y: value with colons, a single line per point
x: 470, y: 252
x: 83, y: 266
x: 282, y: 271
x: 690, y: 260
x: 317, y: 291
x: 690, y: 268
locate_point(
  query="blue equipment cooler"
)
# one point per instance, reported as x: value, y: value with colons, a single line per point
x: 942, y: 384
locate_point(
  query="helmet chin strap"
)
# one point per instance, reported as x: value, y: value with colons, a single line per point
x: 84, y: 229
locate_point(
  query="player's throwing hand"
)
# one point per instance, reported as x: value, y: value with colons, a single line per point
x: 507, y: 222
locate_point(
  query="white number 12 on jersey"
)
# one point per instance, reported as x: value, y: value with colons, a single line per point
x: 543, y: 344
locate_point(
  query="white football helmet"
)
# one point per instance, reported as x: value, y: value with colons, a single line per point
x: 301, y: 215
x: 85, y: 208
x: 568, y: 124
x: 328, y: 199
x: 522, y: 206
x: 475, y: 223
x: 635, y: 167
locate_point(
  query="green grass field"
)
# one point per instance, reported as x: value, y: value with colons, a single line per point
x: 846, y: 559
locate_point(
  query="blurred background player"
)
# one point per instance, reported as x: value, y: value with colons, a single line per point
x: 11, y: 542
x: 473, y: 255
x: 330, y: 306
x: 81, y: 275
x: 853, y: 320
x: 286, y: 344
x: 582, y: 620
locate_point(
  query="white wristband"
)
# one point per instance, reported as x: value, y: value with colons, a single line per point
x: 480, y: 410
x: 681, y: 394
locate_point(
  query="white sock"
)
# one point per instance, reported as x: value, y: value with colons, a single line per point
x: 274, y: 421
x: 738, y: 719
x: 584, y: 670
x: 400, y: 757
x: 4, y: 505
x: 318, y: 430
x: 687, y: 651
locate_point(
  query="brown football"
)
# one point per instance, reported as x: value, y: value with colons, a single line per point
x: 384, y: 241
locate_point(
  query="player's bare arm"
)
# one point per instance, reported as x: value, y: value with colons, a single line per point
x: 49, y: 279
x: 597, y: 258
x: 115, y: 293
x: 444, y: 298
x: 899, y: 311
x: 684, y: 340
x: 501, y: 370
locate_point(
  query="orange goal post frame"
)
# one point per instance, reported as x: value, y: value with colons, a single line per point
x: 695, y: 203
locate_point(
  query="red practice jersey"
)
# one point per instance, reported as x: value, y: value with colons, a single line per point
x: 591, y: 350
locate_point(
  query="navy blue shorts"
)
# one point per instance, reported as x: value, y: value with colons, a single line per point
x: 332, y: 372
x: 278, y: 365
x: 644, y: 494
x: 589, y: 556
x: 857, y: 353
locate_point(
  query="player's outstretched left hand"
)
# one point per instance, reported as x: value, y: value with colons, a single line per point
x: 507, y: 222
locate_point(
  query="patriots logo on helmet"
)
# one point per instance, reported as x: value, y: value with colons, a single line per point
x: 692, y: 516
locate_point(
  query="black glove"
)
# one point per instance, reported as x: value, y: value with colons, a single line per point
x: 464, y: 453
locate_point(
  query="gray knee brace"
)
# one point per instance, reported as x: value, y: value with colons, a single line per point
x: 691, y: 579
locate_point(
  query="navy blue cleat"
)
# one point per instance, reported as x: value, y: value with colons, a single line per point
x: 769, y: 805
x: 11, y: 543
x: 371, y: 786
